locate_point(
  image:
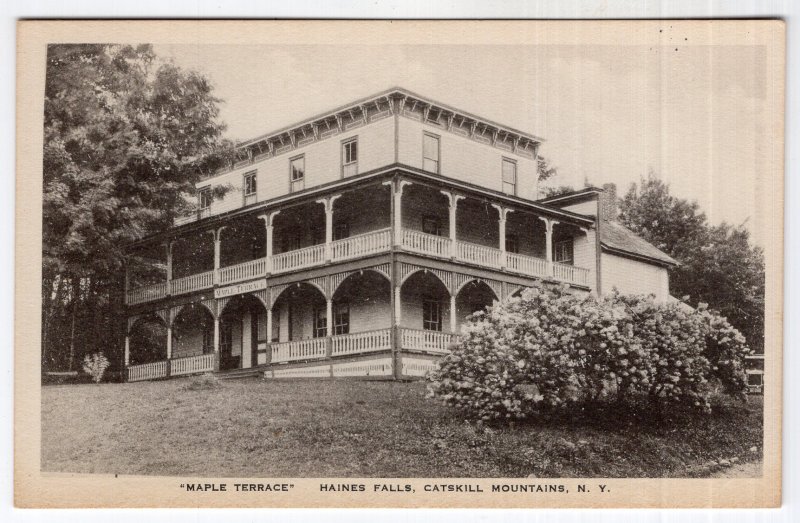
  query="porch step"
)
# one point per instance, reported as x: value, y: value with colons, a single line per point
x: 235, y: 374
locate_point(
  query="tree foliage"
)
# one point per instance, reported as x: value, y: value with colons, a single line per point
x: 719, y: 266
x: 552, y: 350
x: 126, y: 137
x: 545, y: 170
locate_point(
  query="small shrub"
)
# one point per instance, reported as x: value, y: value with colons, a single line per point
x: 207, y: 381
x: 95, y: 365
x: 550, y: 349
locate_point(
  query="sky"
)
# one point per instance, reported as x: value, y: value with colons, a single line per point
x: 692, y: 114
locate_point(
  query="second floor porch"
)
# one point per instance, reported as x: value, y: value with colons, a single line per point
x: 395, y: 214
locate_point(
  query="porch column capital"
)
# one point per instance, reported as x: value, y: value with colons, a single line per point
x: 401, y: 185
x: 452, y: 197
x: 269, y: 218
x: 502, y: 211
x: 328, y: 202
x: 548, y: 223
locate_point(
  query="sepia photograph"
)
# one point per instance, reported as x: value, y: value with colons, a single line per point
x: 416, y: 265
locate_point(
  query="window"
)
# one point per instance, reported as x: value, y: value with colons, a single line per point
x: 350, y: 157
x: 250, y: 183
x: 341, y: 231
x: 317, y: 234
x: 290, y: 241
x: 431, y: 225
x: 563, y: 252
x: 432, y: 315
x: 430, y: 152
x: 512, y: 243
x: 225, y: 338
x: 204, y: 197
x: 341, y: 319
x: 297, y: 173
x: 509, y: 176
x: 320, y: 322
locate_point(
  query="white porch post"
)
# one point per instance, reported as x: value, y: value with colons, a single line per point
x: 269, y: 326
x: 452, y: 200
x: 329, y: 317
x: 453, y: 322
x: 398, y: 309
x: 269, y: 219
x: 548, y: 250
x: 328, y: 203
x: 217, y: 251
x: 398, y: 211
x: 503, y: 214
x: 169, y: 341
x: 216, y: 335
x: 127, y: 350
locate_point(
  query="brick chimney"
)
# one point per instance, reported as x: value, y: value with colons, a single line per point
x: 608, y: 202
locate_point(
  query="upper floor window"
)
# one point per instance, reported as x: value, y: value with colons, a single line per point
x: 430, y: 152
x: 341, y: 319
x: 297, y: 173
x: 509, y: 176
x: 563, y: 252
x: 290, y: 240
x: 204, y: 197
x: 512, y: 243
x: 250, y: 183
x: 432, y: 225
x: 432, y: 315
x: 350, y: 157
x: 341, y: 231
x: 317, y: 234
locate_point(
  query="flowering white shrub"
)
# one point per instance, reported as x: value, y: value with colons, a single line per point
x: 95, y: 365
x: 551, y: 349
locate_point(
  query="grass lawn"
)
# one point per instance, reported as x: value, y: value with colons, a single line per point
x: 363, y: 429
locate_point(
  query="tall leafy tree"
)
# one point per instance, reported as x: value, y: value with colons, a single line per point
x: 719, y: 265
x: 126, y: 137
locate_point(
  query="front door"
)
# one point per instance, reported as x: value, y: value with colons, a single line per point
x: 226, y: 358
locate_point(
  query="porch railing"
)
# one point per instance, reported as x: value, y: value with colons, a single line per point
x: 424, y: 340
x: 148, y: 293
x: 147, y: 371
x: 191, y: 365
x: 358, y: 342
x: 195, y: 282
x: 298, y: 259
x: 299, y: 350
x: 570, y: 273
x: 478, y: 254
x: 361, y: 245
x: 425, y: 243
x: 527, y: 264
x: 243, y: 271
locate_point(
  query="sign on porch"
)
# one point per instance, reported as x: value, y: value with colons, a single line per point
x: 233, y: 290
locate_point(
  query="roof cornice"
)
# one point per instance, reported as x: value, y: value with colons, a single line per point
x: 365, y: 110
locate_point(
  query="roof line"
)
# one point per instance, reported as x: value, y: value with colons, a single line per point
x: 387, y: 94
x: 637, y: 256
x: 573, y: 194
